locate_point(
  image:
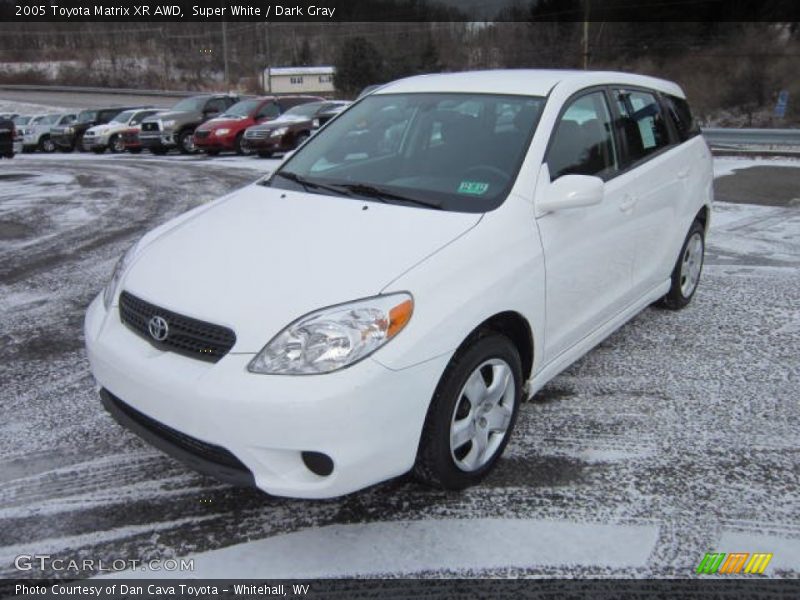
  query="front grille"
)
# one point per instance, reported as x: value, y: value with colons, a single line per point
x: 199, y: 448
x: 201, y: 135
x: 256, y: 134
x: 187, y: 336
x: 150, y: 126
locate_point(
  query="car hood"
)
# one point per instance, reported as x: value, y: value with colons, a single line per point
x: 226, y: 122
x: 106, y: 128
x: 281, y: 121
x: 264, y: 257
x: 165, y: 116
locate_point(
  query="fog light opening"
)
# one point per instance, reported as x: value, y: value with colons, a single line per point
x: 318, y: 463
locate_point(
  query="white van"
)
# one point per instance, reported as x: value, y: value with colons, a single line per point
x: 391, y: 294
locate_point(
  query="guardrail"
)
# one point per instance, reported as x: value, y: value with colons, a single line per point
x: 774, y: 140
x: 98, y: 90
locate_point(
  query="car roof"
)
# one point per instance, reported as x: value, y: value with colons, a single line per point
x: 528, y: 82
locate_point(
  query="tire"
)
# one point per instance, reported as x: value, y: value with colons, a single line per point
x: 186, y: 142
x: 264, y: 154
x: 46, y: 144
x: 443, y: 460
x: 300, y: 139
x: 116, y: 145
x: 687, y: 270
x: 240, y: 147
x: 159, y: 151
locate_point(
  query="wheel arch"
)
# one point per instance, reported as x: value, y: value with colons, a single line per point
x: 516, y: 328
x: 704, y: 216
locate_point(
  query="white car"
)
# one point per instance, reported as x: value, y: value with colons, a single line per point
x: 386, y: 299
x: 108, y: 136
x: 36, y: 131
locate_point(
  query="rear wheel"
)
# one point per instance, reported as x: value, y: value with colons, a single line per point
x: 471, y: 415
x: 686, y: 274
x: 186, y: 142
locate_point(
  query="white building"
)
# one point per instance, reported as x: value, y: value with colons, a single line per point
x: 299, y: 80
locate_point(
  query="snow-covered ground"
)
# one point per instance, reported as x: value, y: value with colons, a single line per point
x: 677, y: 436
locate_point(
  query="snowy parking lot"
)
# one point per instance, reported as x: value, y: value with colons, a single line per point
x: 679, y: 435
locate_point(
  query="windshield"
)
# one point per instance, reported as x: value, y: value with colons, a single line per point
x: 303, y: 110
x: 123, y: 117
x: 21, y: 120
x: 460, y: 152
x: 49, y: 119
x: 87, y: 115
x: 189, y: 105
x: 242, y: 109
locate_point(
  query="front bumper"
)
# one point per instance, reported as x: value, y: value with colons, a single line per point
x: 93, y: 143
x: 366, y: 418
x: 64, y: 140
x: 157, y: 140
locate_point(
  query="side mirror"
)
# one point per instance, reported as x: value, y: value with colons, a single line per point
x: 571, y: 191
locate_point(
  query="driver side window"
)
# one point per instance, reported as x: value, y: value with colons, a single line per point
x: 583, y: 143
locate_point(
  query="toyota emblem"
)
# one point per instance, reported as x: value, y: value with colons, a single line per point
x: 159, y: 328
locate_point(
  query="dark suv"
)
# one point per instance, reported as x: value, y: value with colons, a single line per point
x: 68, y: 137
x: 175, y: 128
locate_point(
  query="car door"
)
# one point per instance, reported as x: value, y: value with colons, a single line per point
x: 588, y: 251
x: 657, y: 170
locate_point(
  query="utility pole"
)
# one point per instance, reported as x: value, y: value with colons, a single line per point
x: 225, y: 49
x: 585, y: 34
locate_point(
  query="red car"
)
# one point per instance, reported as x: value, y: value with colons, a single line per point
x: 226, y: 131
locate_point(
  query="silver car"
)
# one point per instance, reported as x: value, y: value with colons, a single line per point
x: 36, y: 131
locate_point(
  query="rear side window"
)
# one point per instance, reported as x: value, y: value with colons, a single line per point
x: 642, y: 124
x: 681, y: 116
x: 582, y: 143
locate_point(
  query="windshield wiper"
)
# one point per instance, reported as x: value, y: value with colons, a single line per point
x: 309, y: 185
x: 384, y: 195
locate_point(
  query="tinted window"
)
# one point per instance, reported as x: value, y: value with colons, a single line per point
x: 268, y: 111
x: 681, y: 116
x: 582, y: 143
x: 642, y: 124
x: 217, y: 104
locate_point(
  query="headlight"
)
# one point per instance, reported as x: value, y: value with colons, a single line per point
x: 279, y: 132
x: 315, y: 123
x: 168, y: 123
x: 119, y: 269
x: 69, y: 130
x: 221, y: 131
x: 334, y: 337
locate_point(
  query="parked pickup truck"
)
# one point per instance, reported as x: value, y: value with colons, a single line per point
x: 69, y: 137
x: 100, y: 138
x: 226, y: 131
x: 175, y: 128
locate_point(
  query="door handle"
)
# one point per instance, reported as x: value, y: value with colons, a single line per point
x: 628, y: 202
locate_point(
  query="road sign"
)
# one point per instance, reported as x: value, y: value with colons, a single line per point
x: 783, y: 102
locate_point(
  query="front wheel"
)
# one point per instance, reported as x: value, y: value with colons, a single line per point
x: 46, y: 145
x: 471, y: 415
x: 116, y: 144
x: 686, y: 274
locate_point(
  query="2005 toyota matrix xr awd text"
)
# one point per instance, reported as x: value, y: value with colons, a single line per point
x: 383, y: 302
